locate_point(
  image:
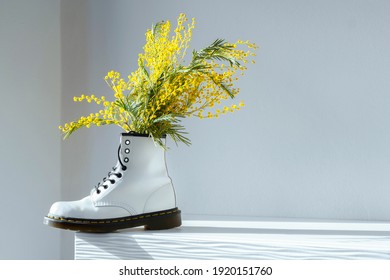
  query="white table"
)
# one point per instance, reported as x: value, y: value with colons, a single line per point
x: 222, y: 238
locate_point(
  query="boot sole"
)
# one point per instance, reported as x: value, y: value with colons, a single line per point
x: 166, y: 219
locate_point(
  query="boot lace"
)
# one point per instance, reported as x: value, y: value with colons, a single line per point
x: 114, y: 172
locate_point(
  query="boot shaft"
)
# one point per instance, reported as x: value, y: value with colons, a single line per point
x: 141, y: 156
x: 144, y: 184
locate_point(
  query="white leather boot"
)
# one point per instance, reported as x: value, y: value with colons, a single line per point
x: 138, y: 192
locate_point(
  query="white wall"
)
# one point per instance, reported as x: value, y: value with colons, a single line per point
x: 29, y: 117
x: 313, y: 140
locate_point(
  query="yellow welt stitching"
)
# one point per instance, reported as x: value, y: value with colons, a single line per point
x: 113, y: 221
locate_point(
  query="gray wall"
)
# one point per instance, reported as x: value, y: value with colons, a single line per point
x: 29, y: 116
x: 313, y: 140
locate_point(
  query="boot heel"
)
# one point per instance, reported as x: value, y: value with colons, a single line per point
x: 166, y: 221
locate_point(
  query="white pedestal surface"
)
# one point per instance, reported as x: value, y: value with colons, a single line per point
x: 219, y: 238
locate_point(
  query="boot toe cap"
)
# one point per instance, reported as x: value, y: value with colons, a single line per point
x: 71, y: 209
x: 85, y: 209
x: 61, y: 209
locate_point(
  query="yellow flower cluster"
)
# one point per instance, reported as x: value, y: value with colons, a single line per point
x: 112, y: 114
x: 162, y: 90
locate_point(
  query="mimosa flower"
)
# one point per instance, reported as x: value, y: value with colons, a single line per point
x: 164, y: 89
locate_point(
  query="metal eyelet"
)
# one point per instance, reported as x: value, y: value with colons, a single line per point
x: 127, y: 151
x: 127, y: 142
x: 126, y: 159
